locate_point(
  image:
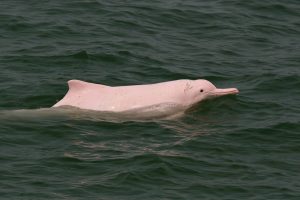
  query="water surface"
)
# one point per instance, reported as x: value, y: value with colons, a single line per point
x: 235, y: 147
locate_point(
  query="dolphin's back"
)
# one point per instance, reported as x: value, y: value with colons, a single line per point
x: 121, y: 98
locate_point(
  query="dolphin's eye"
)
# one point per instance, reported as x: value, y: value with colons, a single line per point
x: 201, y: 90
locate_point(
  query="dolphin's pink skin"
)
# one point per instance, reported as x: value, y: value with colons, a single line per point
x: 98, y: 97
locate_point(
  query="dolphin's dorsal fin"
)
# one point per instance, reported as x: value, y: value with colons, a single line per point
x: 75, y: 85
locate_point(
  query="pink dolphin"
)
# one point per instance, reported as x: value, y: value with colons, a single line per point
x: 184, y: 93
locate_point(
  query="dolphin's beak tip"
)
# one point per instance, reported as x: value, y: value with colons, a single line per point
x: 233, y: 91
x: 236, y: 91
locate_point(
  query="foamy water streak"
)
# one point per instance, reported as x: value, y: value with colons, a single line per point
x: 155, y: 112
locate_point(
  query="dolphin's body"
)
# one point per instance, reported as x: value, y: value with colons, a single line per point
x: 178, y: 94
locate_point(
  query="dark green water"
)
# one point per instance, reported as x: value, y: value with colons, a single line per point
x: 243, y: 147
